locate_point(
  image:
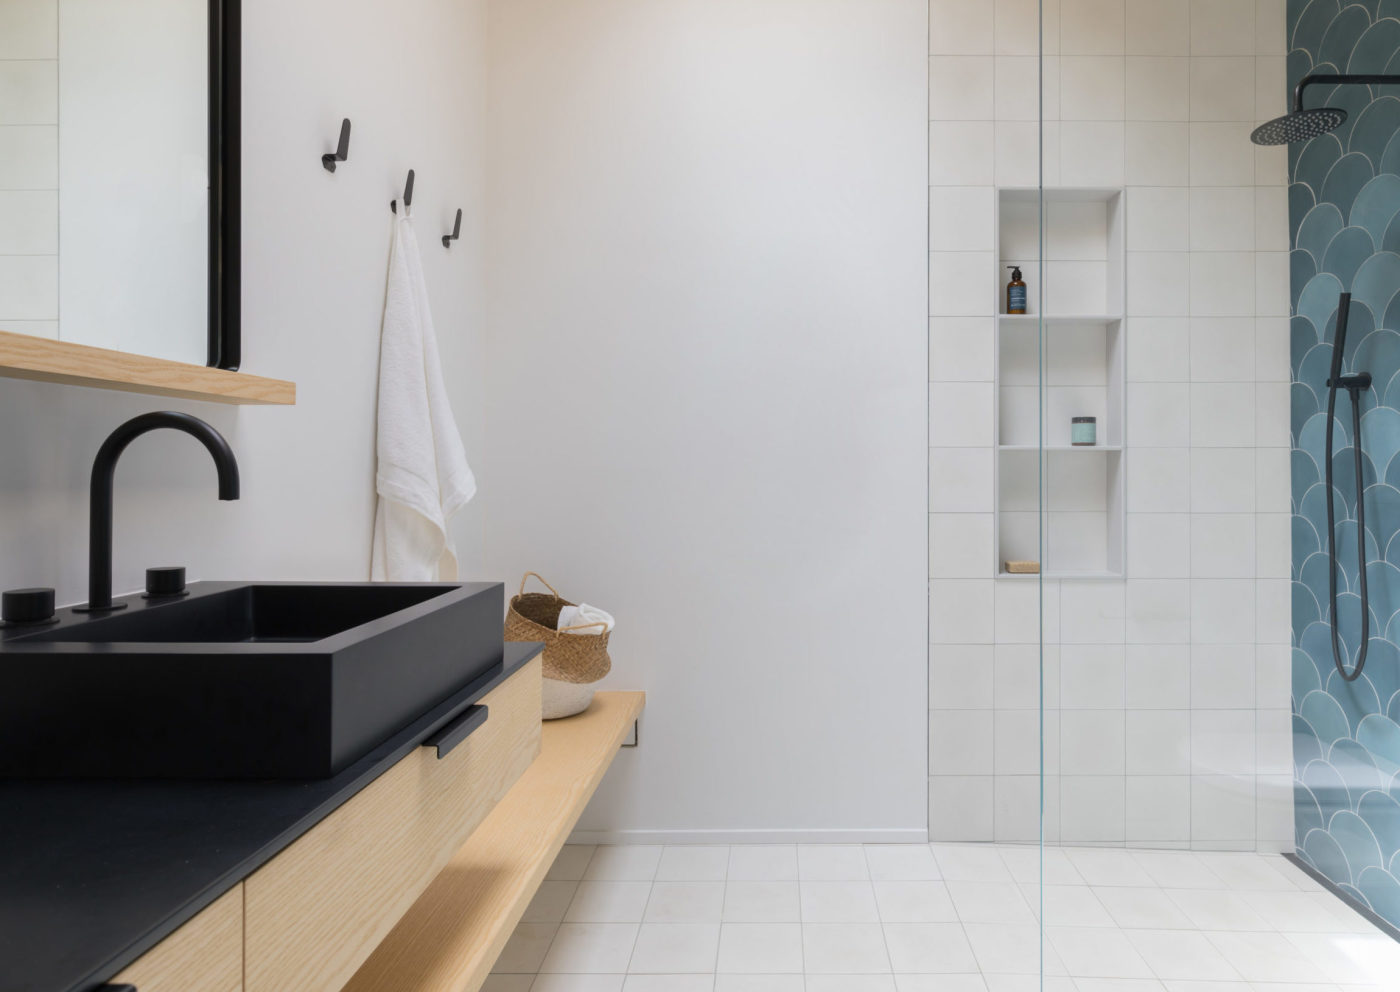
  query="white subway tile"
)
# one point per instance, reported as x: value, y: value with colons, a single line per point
x: 1158, y: 88
x: 1158, y: 27
x: 960, y: 349
x: 1017, y: 748
x: 1273, y: 611
x: 1017, y: 26
x: 1222, y: 284
x: 961, y: 676
x: 1092, y: 613
x: 960, y: 742
x: 1272, y: 482
x: 1273, y: 676
x: 1017, y: 613
x: 1092, y: 809
x: 1159, y: 284
x: 1091, y: 88
x: 1018, y: 148
x: 1274, y: 803
x: 29, y: 222
x: 1159, y: 545
x: 1222, y: 809
x: 1159, y: 742
x: 1271, y: 347
x: 1222, y: 742
x: 1222, y: 611
x: 960, y: 153
x: 1018, y: 676
x: 1222, y: 89
x: 1158, y: 153
x: 1161, y: 218
x: 1159, y: 611
x: 31, y: 29
x: 1091, y: 27
x: 1222, y: 349
x: 1092, y: 742
x: 1222, y: 414
x: 1159, y: 348
x: 1222, y: 676
x: 1159, y: 480
x: 1092, y: 676
x: 1223, y: 545
x: 960, y: 546
x: 1273, y: 742
x: 1159, y: 810
x: 1159, y: 414
x: 28, y: 92
x: 1271, y: 282
x: 956, y: 27
x: 1017, y: 811
x: 29, y: 157
x: 962, y: 218
x: 28, y: 287
x: 960, y: 88
x: 960, y: 480
x: 1270, y: 27
x: 1222, y: 27
x: 960, y: 808
x: 1271, y: 93
x: 1221, y: 154
x: 1158, y: 676
x: 1092, y: 153
x: 1018, y: 82
x: 960, y: 283
x: 961, y: 414
x: 961, y: 611
x: 1222, y: 218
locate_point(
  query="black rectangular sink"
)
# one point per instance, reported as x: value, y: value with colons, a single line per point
x: 238, y: 681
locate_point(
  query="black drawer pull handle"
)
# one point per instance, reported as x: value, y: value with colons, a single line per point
x: 457, y: 731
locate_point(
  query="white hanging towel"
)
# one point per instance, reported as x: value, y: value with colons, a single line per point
x: 423, y: 476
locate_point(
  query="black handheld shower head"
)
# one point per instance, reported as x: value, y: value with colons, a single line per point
x: 1304, y: 125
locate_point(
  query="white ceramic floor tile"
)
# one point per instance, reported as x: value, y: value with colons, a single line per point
x: 1217, y: 909
x: 760, y: 948
x: 850, y: 983
x: 914, y: 902
x: 508, y: 983
x: 685, y: 902
x: 1025, y: 865
x: 1092, y: 952
x: 1349, y: 959
x: 759, y: 983
x: 971, y: 863
x: 571, y: 863
x: 1177, y: 870
x: 831, y: 862
x: 1149, y: 908
x: 1182, y: 955
x: 525, y: 949
x: 763, y: 863
x: 929, y: 948
x: 839, y: 902
x: 693, y: 864
x: 669, y: 983
x: 609, y: 902
x: 624, y: 864
x: 552, y: 900
x: 844, y: 949
x: 1301, y: 912
x: 762, y: 902
x: 1106, y: 866
x: 675, y: 949
x: 577, y: 983
x: 941, y: 983
x: 1134, y: 985
x: 990, y: 902
x: 1068, y: 906
x: 1267, y: 957
x: 901, y: 862
x: 1252, y: 872
x: 591, y: 949
x: 1003, y: 949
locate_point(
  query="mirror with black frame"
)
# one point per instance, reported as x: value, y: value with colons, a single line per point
x: 119, y: 127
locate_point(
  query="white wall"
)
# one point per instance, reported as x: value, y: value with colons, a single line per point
x: 706, y: 392
x: 411, y: 76
x: 1167, y: 692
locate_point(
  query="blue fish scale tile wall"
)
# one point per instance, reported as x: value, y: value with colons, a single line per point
x: 1344, y: 212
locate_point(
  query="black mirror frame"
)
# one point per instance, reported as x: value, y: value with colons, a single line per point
x: 225, y: 182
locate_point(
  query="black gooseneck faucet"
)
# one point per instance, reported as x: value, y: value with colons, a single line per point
x: 104, y: 468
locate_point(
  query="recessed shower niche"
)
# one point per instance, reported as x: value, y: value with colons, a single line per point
x: 1062, y: 359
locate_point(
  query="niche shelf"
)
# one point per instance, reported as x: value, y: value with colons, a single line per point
x: 47, y: 360
x: 1062, y: 359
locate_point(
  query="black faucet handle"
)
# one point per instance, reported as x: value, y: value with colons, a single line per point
x: 166, y: 581
x: 27, y: 606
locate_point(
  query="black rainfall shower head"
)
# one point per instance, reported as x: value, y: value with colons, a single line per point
x: 1304, y: 125
x: 1301, y: 125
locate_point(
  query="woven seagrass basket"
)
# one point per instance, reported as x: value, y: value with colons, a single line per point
x: 568, y: 657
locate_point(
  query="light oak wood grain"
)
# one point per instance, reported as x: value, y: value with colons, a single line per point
x: 456, y: 930
x: 26, y: 357
x: 317, y: 910
x: 204, y: 955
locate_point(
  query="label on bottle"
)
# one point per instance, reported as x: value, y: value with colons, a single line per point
x: 1016, y: 299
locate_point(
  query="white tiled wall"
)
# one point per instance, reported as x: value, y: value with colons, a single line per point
x: 29, y: 166
x: 1167, y: 693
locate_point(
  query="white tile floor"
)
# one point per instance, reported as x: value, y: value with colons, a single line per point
x: 936, y: 918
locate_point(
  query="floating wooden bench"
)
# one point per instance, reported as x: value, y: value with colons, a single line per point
x: 451, y: 937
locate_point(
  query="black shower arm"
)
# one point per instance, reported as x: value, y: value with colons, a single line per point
x: 1342, y: 79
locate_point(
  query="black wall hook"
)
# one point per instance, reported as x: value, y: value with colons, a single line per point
x: 407, y: 194
x: 342, y: 151
x: 447, y: 239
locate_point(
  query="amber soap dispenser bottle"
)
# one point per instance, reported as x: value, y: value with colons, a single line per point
x: 1016, y: 291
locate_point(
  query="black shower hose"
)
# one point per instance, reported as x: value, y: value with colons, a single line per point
x: 1352, y: 387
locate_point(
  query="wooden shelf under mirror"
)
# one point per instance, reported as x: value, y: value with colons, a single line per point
x: 47, y: 360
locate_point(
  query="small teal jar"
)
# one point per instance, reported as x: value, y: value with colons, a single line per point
x: 1084, y: 432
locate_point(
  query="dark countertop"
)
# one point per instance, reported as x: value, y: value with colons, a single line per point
x: 94, y: 874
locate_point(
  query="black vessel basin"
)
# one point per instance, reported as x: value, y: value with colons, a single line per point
x: 238, y: 681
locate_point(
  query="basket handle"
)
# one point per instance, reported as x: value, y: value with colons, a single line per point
x: 583, y: 626
x: 537, y: 575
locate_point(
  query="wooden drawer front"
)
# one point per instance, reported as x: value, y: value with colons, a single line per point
x: 318, y: 909
x: 204, y: 955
